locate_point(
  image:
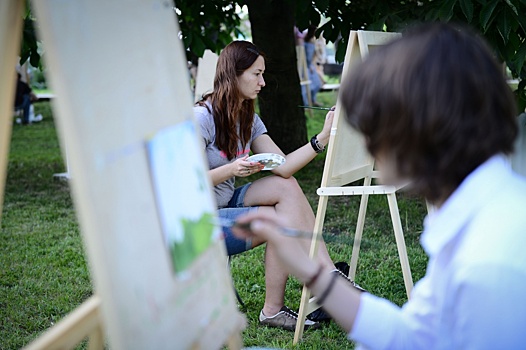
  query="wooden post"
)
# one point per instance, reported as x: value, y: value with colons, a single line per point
x: 10, y: 36
x: 85, y: 321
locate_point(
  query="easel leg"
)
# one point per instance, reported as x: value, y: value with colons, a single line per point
x: 359, y: 231
x: 96, y: 338
x: 235, y: 342
x: 400, y: 243
x: 302, y: 314
x: 305, y: 295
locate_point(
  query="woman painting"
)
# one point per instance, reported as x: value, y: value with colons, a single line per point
x: 230, y: 130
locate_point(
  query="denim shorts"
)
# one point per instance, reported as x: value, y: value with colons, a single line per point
x: 235, y: 209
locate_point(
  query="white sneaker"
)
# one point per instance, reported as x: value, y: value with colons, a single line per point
x: 35, y: 119
x: 286, y: 319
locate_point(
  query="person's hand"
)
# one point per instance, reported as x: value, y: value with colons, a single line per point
x: 244, y: 168
x: 293, y: 256
x: 323, y: 136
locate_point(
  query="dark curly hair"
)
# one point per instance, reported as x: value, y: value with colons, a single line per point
x: 436, y: 103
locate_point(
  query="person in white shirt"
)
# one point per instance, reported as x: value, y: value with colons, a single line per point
x: 435, y: 110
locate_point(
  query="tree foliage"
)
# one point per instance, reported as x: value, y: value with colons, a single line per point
x: 29, y: 46
x: 501, y: 22
x: 209, y: 24
x: 212, y: 24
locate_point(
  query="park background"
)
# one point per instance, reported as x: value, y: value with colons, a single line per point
x: 44, y: 272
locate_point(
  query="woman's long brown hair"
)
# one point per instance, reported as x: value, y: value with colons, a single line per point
x: 227, y: 109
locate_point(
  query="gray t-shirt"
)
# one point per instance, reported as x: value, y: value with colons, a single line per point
x: 216, y: 157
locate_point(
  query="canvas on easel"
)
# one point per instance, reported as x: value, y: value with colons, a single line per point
x: 125, y: 113
x: 348, y: 161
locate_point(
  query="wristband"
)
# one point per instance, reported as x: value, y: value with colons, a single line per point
x: 316, y: 145
x: 315, y: 277
x: 327, y: 290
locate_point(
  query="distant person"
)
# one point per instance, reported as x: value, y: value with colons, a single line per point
x: 231, y: 129
x: 320, y: 58
x: 24, y: 98
x: 315, y: 80
x: 299, y: 36
x: 448, y: 130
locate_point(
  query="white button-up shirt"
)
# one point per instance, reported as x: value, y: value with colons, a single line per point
x: 473, y: 295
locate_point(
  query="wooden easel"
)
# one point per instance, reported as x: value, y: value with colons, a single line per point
x: 348, y: 161
x: 206, y: 71
x: 141, y: 300
x: 303, y: 70
x: 303, y: 73
x: 10, y: 22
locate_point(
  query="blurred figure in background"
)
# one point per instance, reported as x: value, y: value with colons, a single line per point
x: 24, y: 99
x: 315, y: 81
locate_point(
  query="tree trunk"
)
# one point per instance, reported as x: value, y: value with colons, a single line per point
x: 272, y: 24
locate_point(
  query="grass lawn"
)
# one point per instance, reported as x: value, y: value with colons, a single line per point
x: 44, y: 273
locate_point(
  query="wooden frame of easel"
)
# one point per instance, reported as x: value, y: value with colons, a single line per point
x: 348, y: 161
x: 140, y: 302
x: 303, y: 70
x: 206, y: 71
x: 303, y: 73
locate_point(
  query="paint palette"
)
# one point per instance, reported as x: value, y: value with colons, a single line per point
x: 269, y: 160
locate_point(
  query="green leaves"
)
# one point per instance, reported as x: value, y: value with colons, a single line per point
x: 467, y: 8
x: 486, y: 14
x: 307, y: 14
x: 502, y: 22
x: 29, y: 47
x: 445, y: 11
x: 206, y: 24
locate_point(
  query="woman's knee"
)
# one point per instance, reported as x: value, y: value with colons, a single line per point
x: 287, y: 185
x: 272, y: 190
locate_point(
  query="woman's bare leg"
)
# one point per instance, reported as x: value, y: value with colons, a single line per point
x: 275, y: 280
x: 285, y: 197
x: 290, y: 203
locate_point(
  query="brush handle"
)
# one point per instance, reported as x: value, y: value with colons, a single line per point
x: 287, y: 231
x: 314, y: 107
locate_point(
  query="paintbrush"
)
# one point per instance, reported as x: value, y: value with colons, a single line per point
x: 287, y: 231
x: 320, y: 108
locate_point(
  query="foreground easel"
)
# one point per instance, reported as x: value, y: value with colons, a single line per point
x: 10, y: 22
x: 348, y: 161
x: 84, y: 322
x: 145, y: 298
